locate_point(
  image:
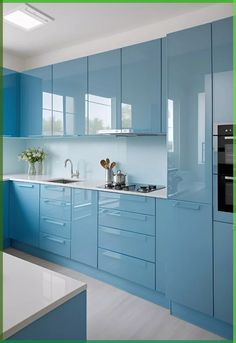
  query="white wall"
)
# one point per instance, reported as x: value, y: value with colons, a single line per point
x: 142, y: 158
x: 144, y: 33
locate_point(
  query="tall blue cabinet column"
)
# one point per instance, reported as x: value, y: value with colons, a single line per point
x: 189, y: 275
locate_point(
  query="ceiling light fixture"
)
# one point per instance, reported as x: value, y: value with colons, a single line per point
x: 27, y: 17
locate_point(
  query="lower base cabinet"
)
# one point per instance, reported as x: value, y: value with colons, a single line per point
x: 6, y: 242
x: 223, y: 272
x: 84, y: 227
x: 55, y: 244
x: 189, y: 274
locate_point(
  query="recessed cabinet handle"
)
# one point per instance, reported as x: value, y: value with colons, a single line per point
x: 57, y: 240
x: 112, y: 255
x: 26, y: 186
x: 189, y: 206
x: 53, y: 222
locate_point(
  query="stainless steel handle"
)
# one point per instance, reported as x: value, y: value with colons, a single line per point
x: 26, y: 186
x: 56, y: 203
x: 56, y: 189
x: 231, y: 178
x: 81, y: 206
x: 229, y: 137
x: 53, y: 222
x: 57, y: 240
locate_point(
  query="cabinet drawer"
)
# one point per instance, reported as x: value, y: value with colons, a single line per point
x: 54, y: 244
x: 130, y: 221
x: 55, y: 209
x: 56, y: 193
x: 128, y: 243
x: 124, y: 202
x: 129, y: 268
x: 55, y: 227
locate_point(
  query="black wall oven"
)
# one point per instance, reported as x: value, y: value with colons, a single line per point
x: 225, y: 168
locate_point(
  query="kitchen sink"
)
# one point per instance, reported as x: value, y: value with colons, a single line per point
x: 64, y: 181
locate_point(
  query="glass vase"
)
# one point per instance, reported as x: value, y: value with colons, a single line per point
x: 40, y: 168
x: 31, y: 169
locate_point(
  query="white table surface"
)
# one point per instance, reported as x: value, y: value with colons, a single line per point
x: 31, y: 291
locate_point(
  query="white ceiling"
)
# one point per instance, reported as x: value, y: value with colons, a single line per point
x: 77, y: 23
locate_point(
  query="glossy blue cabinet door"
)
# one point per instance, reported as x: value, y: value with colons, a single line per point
x: 104, y: 91
x: 69, y: 91
x: 222, y: 57
x: 24, y: 210
x: 36, y: 102
x: 223, y: 272
x: 6, y: 241
x: 11, y: 94
x: 141, y: 87
x: 164, y: 101
x: 84, y: 227
x: 189, y: 271
x: 190, y: 114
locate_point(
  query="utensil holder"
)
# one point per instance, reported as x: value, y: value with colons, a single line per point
x: 108, y: 176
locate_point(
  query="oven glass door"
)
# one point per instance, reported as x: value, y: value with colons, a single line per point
x: 225, y: 155
x: 225, y: 193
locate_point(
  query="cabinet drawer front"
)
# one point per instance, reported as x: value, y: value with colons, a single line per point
x: 54, y: 244
x: 55, y: 209
x: 130, y: 221
x: 56, y: 192
x: 128, y: 243
x: 130, y: 268
x: 55, y: 227
x: 131, y: 203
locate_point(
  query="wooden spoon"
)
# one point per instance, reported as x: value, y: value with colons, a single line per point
x: 108, y: 162
x: 113, y: 164
x: 104, y: 164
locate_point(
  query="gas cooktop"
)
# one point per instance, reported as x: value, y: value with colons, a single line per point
x: 133, y: 187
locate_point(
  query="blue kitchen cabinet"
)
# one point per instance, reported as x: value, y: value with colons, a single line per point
x: 164, y: 100
x: 189, y: 93
x: 188, y: 244
x: 11, y: 95
x: 24, y: 212
x: 222, y: 58
x: 104, y: 92
x: 36, y: 102
x: 141, y: 87
x: 84, y: 227
x: 223, y: 272
x: 6, y: 241
x: 69, y: 92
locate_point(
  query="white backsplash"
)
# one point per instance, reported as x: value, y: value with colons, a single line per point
x: 144, y: 159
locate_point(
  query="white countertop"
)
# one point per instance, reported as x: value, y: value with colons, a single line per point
x: 31, y: 291
x: 93, y: 185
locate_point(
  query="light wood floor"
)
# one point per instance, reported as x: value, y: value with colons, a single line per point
x: 114, y: 314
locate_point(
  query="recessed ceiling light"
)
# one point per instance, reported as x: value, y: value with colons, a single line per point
x: 27, y: 17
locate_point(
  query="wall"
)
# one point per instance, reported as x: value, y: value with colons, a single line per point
x: 144, y: 159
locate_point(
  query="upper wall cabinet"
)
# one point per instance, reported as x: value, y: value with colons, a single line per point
x: 11, y: 88
x: 69, y: 91
x: 190, y: 114
x: 141, y: 87
x: 36, y: 102
x: 222, y: 44
x: 104, y: 92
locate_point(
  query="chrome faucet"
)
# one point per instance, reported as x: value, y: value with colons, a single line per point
x: 76, y: 174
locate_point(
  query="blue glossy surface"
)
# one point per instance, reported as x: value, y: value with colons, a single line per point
x: 55, y: 209
x: 190, y: 114
x: 56, y: 192
x: 11, y: 104
x: 222, y: 57
x: 136, y: 222
x: 226, y: 217
x: 164, y: 101
x: 66, y: 322
x: 55, y: 244
x: 130, y: 268
x: 223, y: 272
x: 6, y: 241
x: 24, y: 212
x: 84, y: 227
x: 141, y: 87
x: 189, y: 274
x: 130, y: 203
x: 36, y: 102
x: 126, y: 242
x: 56, y: 227
x: 104, y: 91
x: 69, y: 91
